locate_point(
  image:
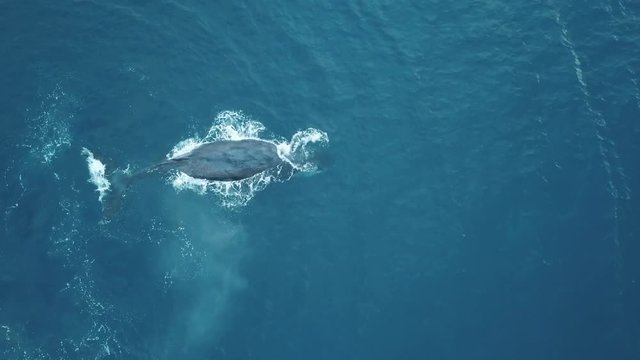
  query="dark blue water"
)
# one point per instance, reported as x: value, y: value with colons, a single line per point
x: 482, y: 201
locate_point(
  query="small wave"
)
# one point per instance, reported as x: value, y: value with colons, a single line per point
x: 49, y: 128
x: 297, y: 155
x: 97, y: 171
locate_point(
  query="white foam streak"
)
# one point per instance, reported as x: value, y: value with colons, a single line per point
x: 97, y: 171
x: 616, y: 183
x: 616, y: 178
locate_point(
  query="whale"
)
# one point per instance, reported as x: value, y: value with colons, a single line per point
x: 222, y: 160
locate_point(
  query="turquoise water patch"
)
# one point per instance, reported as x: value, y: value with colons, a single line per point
x: 459, y: 180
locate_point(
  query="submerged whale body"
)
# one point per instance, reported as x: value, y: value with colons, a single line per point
x: 225, y: 160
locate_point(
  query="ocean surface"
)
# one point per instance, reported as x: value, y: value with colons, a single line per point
x: 478, y: 196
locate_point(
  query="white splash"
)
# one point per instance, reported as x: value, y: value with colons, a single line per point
x: 184, y: 147
x: 97, y: 171
x: 182, y: 181
x: 299, y: 152
x: 235, y: 125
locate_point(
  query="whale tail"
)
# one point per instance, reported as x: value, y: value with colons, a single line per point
x: 120, y: 181
x: 112, y: 188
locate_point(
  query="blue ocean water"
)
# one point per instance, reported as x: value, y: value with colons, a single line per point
x: 481, y: 201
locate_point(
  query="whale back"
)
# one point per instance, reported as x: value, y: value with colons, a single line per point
x: 226, y: 160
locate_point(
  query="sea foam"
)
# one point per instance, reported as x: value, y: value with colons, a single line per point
x: 97, y: 171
